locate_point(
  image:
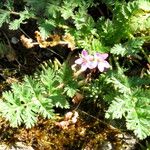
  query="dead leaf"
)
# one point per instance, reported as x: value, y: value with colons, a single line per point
x: 75, y: 117
x: 42, y: 43
x: 77, y: 98
x: 28, y: 43
x: 11, y: 80
x: 62, y: 124
x: 70, y: 41
x: 11, y: 56
x: 68, y: 115
x: 54, y: 40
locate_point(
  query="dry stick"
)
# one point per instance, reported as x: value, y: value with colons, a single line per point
x: 15, y: 13
x: 36, y: 43
x: 77, y: 106
x: 54, y: 52
x: 108, y: 125
x: 25, y: 33
x: 11, y: 12
x: 10, y: 47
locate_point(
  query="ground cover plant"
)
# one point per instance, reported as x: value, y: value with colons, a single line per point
x: 85, y: 56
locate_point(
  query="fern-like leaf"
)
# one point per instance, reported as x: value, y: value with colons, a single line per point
x: 131, y: 47
x: 4, y: 16
x: 138, y: 117
x: 46, y: 26
x: 15, y: 24
x: 118, y: 49
x: 117, y: 109
x: 130, y: 102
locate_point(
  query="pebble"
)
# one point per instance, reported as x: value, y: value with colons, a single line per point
x: 17, y: 146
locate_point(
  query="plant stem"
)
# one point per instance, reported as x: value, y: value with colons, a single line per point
x: 15, y: 13
x: 11, y: 12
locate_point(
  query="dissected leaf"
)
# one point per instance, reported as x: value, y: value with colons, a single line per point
x: 4, y: 17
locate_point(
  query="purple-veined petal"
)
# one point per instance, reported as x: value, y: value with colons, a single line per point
x: 90, y: 58
x: 79, y: 61
x: 92, y: 64
x: 97, y: 55
x: 84, y: 66
x: 100, y: 56
x: 84, y: 53
x: 104, y: 56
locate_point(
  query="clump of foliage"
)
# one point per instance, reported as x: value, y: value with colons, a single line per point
x: 125, y: 35
x: 37, y: 97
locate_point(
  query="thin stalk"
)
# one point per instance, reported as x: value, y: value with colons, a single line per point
x: 15, y: 13
x: 11, y: 12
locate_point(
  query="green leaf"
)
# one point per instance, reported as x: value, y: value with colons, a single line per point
x: 52, y: 9
x: 139, y: 121
x: 11, y: 111
x: 29, y: 116
x: 117, y: 109
x: 135, y: 108
x: 118, y: 49
x: 4, y: 17
x: 59, y: 101
x: 46, y: 26
x: 38, y: 6
x: 15, y: 24
x: 67, y: 9
x: 134, y: 46
x: 119, y: 85
x: 136, y: 81
x: 96, y: 45
x: 9, y: 5
x: 70, y: 90
x: 131, y: 47
x: 46, y: 108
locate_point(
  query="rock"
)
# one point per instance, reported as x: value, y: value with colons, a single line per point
x: 17, y: 146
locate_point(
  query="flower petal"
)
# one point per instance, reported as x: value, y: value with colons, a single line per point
x: 103, y: 65
x: 92, y: 64
x: 84, y: 66
x: 104, y: 56
x: 100, y: 67
x: 79, y: 61
x: 101, y: 56
x: 97, y: 55
x: 89, y: 58
x: 84, y: 53
x: 107, y: 65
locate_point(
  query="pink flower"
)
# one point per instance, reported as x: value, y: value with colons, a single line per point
x: 86, y: 61
x: 101, y: 62
x: 93, y: 61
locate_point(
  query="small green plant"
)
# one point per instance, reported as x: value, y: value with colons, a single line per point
x: 131, y: 101
x: 37, y: 97
x: 126, y: 97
